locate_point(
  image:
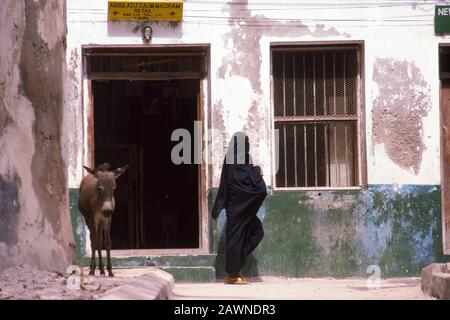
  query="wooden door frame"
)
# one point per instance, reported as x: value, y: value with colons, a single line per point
x: 444, y: 157
x: 89, y: 147
x: 445, y: 166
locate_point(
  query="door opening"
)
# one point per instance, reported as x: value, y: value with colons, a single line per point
x: 444, y: 74
x: 156, y: 201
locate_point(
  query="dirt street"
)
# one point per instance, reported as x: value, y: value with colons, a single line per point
x: 272, y: 288
x: 26, y: 283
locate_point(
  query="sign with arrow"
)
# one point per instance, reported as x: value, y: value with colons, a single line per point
x: 135, y: 10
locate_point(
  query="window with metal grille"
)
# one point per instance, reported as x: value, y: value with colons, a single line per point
x: 145, y: 63
x: 316, y: 109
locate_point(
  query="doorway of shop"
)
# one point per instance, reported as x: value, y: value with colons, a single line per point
x: 157, y: 203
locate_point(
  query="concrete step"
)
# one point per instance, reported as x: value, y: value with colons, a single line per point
x: 192, y: 274
x: 164, y: 261
x: 204, y: 260
x: 190, y: 268
x: 436, y: 280
x: 142, y: 284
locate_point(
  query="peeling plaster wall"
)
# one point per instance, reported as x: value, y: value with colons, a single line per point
x: 235, y: 96
x: 238, y: 90
x: 35, y: 225
x: 403, y: 100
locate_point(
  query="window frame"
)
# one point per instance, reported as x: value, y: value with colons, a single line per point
x: 361, y: 160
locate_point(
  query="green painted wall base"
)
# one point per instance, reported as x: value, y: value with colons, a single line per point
x: 191, y: 268
x: 396, y: 228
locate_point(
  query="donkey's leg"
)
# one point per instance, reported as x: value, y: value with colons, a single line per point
x: 93, y: 237
x: 108, y: 248
x: 99, y: 247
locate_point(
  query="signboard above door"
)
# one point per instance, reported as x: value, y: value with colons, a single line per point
x: 141, y: 10
x: 442, y: 19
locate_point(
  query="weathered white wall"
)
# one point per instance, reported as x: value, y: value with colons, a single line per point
x: 35, y: 223
x: 401, y: 51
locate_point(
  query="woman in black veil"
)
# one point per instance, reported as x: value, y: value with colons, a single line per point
x: 241, y: 193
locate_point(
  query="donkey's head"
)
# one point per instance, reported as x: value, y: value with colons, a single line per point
x: 106, y: 184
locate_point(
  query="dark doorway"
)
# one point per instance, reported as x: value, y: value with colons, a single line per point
x: 156, y: 200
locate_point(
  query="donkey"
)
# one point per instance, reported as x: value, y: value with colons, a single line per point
x: 96, y: 204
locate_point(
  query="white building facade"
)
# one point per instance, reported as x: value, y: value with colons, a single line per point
x: 342, y: 105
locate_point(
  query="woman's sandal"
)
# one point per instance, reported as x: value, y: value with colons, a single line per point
x: 237, y: 280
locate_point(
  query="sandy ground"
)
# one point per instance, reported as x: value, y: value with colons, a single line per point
x: 25, y: 283
x: 273, y: 288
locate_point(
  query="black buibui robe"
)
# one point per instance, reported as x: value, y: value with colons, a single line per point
x: 242, y: 191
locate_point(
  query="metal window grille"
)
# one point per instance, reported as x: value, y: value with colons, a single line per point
x: 145, y: 63
x: 316, y: 114
x: 110, y: 63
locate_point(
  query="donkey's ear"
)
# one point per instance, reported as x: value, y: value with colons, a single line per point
x: 119, y: 171
x: 91, y: 171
